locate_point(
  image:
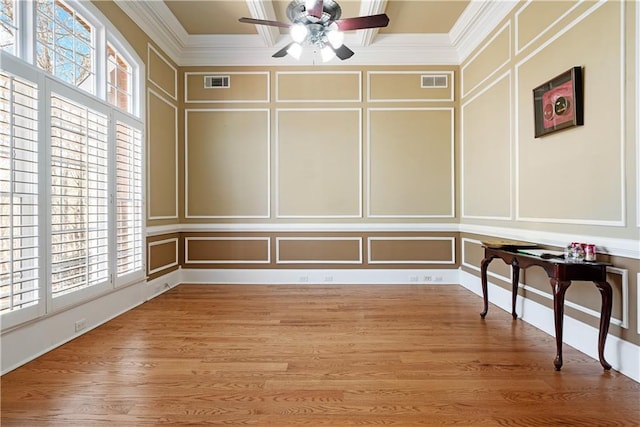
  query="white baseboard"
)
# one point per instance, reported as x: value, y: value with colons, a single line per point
x: 623, y: 356
x: 33, y: 339
x: 320, y: 276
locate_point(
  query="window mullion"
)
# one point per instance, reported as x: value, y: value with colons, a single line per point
x: 12, y: 162
x: 44, y: 140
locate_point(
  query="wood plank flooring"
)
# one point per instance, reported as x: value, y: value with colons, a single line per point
x: 318, y: 356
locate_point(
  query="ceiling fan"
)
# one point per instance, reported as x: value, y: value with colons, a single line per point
x: 317, y: 23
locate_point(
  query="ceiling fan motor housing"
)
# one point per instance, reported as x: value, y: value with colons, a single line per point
x: 297, y: 12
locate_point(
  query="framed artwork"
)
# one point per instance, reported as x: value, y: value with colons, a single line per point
x: 558, y: 103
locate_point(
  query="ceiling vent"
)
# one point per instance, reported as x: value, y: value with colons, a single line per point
x: 217, y: 82
x: 435, y: 81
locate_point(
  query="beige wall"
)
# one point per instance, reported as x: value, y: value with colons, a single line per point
x: 578, y: 181
x: 573, y: 183
x: 319, y: 145
x: 364, y: 146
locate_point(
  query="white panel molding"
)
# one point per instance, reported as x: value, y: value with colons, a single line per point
x: 505, y: 27
x: 151, y: 217
x: 163, y: 242
x: 188, y: 260
x: 450, y: 214
x: 277, y: 164
x: 451, y: 260
x: 186, y: 164
x: 638, y: 303
x: 543, y: 32
x: 316, y: 101
x: 462, y: 151
x: 174, y: 93
x: 622, y: 354
x: 229, y: 73
x: 627, y: 248
x: 418, y: 73
x: 307, y: 239
x: 621, y: 222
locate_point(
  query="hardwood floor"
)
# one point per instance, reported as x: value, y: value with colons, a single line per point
x: 318, y: 356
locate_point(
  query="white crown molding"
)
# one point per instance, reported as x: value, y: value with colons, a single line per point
x: 248, y: 50
x: 371, y: 48
x: 477, y: 21
x: 156, y: 19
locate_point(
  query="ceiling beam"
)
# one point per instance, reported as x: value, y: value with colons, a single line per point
x: 263, y: 9
x: 369, y: 7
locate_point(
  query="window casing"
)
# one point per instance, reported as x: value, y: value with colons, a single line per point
x: 71, y: 162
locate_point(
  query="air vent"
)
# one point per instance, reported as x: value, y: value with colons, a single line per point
x: 435, y: 81
x: 217, y: 82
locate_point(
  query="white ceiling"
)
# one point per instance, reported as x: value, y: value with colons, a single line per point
x: 420, y: 32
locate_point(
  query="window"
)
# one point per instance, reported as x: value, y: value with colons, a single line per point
x: 118, y: 80
x: 129, y: 209
x: 79, y: 197
x: 64, y: 44
x: 8, y: 27
x: 71, y: 160
x: 19, y: 277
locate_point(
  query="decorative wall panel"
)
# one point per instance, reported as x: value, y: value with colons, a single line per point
x: 410, y: 162
x: 227, y: 163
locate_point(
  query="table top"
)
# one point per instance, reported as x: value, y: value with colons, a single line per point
x: 541, y: 254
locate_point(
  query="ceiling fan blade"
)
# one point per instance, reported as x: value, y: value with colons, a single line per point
x: 264, y: 22
x: 316, y: 10
x: 282, y: 52
x: 343, y: 52
x: 360, y: 22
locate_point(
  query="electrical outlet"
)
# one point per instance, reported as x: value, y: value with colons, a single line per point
x: 413, y: 278
x: 438, y: 278
x: 428, y: 278
x: 80, y: 324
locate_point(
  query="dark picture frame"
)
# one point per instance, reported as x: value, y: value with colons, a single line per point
x: 558, y: 103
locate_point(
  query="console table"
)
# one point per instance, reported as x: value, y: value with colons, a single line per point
x: 560, y: 273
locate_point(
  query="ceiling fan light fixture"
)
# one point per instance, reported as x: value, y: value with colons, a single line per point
x: 295, y: 50
x: 336, y: 37
x: 327, y: 53
x: 299, y: 32
x: 317, y: 24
